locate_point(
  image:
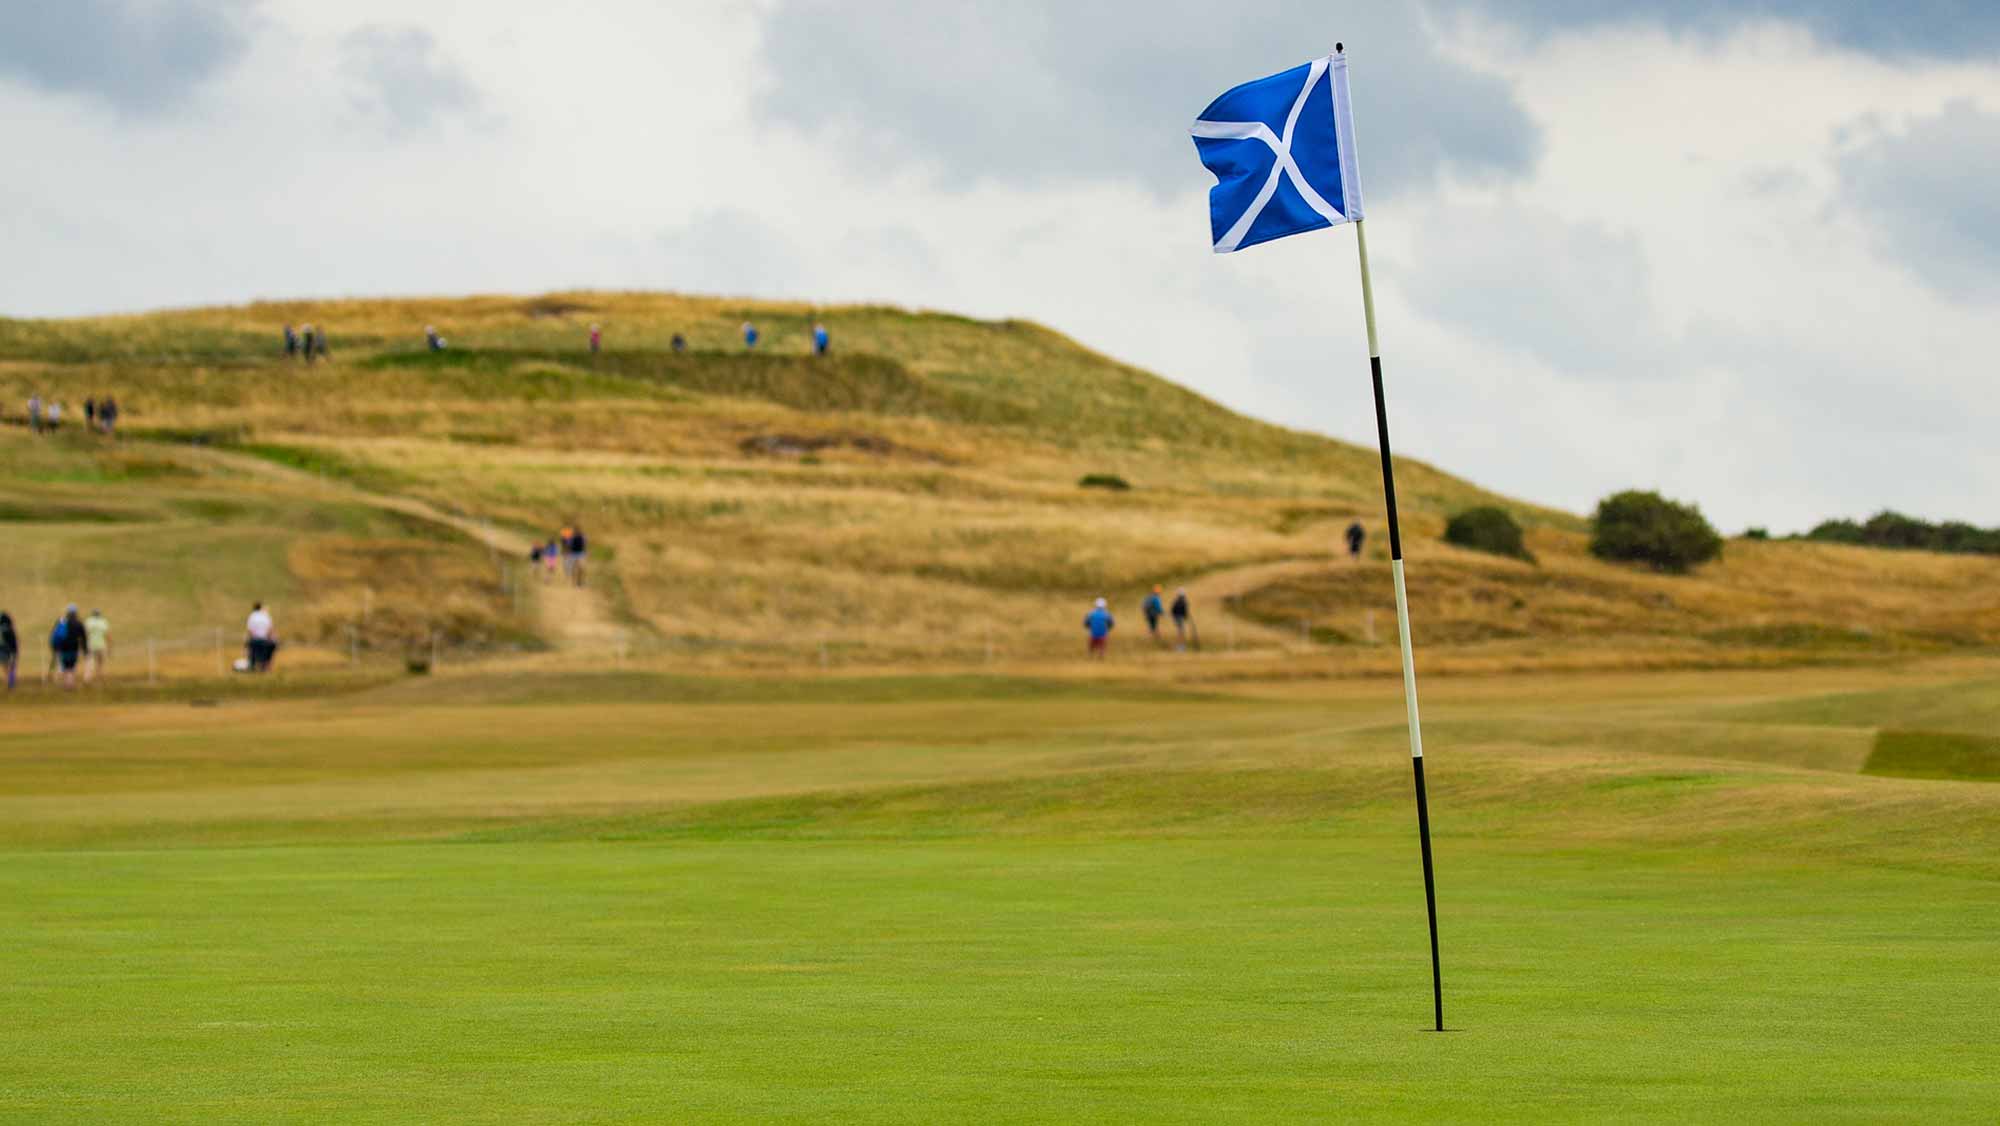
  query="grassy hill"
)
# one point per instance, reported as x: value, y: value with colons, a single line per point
x: 914, y: 496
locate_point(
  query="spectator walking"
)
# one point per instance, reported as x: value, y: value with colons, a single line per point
x: 260, y: 641
x: 107, y: 415
x: 54, y: 413
x: 10, y: 648
x: 325, y: 345
x: 1182, y: 618
x: 35, y: 413
x: 551, y: 559
x: 66, y: 646
x: 97, y: 645
x: 1155, y: 610
x: 822, y: 340
x: 562, y: 546
x: 307, y: 343
x: 749, y: 335
x: 578, y: 551
x: 90, y: 414
x: 291, y: 342
x: 596, y: 340
x: 1356, y: 536
x: 679, y: 343
x: 1099, y: 624
x: 432, y: 340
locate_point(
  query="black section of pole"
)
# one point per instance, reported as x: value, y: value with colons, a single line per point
x: 1388, y: 473
x: 1430, y: 892
x: 1417, y: 760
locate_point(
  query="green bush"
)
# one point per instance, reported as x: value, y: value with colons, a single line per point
x: 1489, y: 529
x: 1104, y: 481
x: 1893, y: 529
x: 1639, y: 527
x: 1756, y: 533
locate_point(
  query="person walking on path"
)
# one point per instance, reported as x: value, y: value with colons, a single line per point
x: 54, y: 413
x: 562, y: 547
x: 822, y: 340
x: 1099, y: 624
x: 1356, y: 536
x: 325, y: 346
x: 66, y: 645
x: 551, y: 559
x: 307, y: 342
x: 90, y: 414
x: 35, y: 413
x: 1155, y: 610
x: 578, y: 550
x: 432, y: 340
x: 260, y: 642
x: 1183, y: 618
x: 97, y: 645
x: 679, y: 343
x: 749, y: 335
x: 596, y: 340
x: 291, y: 342
x: 10, y: 648
x: 107, y: 416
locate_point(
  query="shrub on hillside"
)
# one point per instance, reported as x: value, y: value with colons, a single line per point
x: 1893, y: 529
x: 1489, y: 529
x: 1104, y: 481
x: 1641, y: 527
x: 1756, y: 533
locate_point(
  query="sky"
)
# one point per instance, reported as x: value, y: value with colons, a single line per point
x: 1746, y: 254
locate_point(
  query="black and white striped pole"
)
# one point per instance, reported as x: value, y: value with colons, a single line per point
x: 1402, y: 618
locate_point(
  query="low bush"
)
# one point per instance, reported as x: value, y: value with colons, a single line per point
x: 1104, y: 481
x: 1893, y: 529
x: 1489, y: 529
x: 1643, y: 527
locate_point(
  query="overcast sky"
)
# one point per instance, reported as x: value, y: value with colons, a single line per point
x: 1744, y: 253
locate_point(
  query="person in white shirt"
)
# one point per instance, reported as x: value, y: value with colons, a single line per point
x: 263, y: 638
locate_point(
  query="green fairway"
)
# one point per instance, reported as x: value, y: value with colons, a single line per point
x: 913, y: 900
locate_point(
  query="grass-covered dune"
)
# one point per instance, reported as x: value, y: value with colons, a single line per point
x: 917, y: 495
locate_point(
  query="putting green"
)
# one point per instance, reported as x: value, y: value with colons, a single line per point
x: 975, y: 904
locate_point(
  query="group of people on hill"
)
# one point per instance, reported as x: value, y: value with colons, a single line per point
x: 77, y: 644
x: 1099, y: 622
x: 821, y: 339
x: 80, y: 647
x: 100, y: 416
x: 306, y: 341
x: 567, y: 550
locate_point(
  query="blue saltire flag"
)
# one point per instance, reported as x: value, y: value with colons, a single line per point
x: 1282, y: 150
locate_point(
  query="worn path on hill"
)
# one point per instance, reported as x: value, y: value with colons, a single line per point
x: 572, y: 619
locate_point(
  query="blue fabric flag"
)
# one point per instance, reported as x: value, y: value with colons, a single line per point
x: 1282, y: 150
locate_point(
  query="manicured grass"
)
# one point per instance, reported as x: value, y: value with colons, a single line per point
x: 1934, y: 754
x: 913, y: 899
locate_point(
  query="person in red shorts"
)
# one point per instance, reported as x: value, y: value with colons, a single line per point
x: 1099, y: 624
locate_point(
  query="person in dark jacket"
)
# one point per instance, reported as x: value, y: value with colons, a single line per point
x: 67, y: 645
x: 291, y: 342
x: 1356, y: 536
x: 10, y: 648
x: 1181, y: 617
x: 576, y: 549
x: 1155, y: 610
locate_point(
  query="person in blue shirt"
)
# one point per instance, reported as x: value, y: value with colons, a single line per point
x: 1099, y: 624
x: 1155, y: 610
x: 821, y: 340
x: 749, y: 335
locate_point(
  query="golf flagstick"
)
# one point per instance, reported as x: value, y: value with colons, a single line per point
x: 1402, y: 617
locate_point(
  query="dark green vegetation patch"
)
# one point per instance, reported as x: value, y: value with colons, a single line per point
x: 1935, y: 754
